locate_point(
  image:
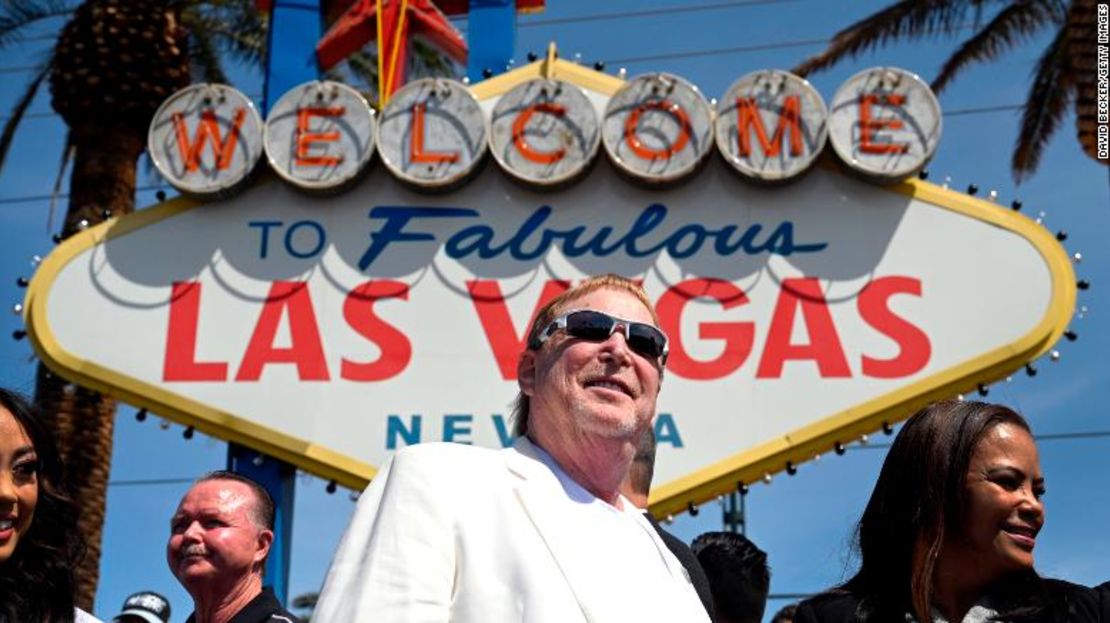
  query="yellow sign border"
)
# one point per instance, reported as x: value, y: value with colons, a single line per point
x: 211, y: 421
x: 673, y: 497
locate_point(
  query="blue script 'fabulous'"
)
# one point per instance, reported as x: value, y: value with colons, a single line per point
x: 532, y: 239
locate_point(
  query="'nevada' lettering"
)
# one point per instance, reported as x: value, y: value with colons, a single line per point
x: 458, y: 428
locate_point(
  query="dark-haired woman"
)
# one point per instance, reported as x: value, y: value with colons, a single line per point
x: 37, y: 548
x: 949, y: 532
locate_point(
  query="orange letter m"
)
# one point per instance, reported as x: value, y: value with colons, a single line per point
x: 208, y: 128
x: 789, y: 118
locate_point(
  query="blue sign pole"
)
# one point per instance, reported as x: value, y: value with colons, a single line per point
x: 295, y: 28
x: 491, y: 37
x: 278, y: 478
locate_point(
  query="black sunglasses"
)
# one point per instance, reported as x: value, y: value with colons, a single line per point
x: 587, y: 324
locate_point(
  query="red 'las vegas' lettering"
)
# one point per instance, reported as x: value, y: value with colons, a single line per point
x: 396, y: 349
x: 824, y: 348
x: 505, y: 340
x: 737, y: 336
x: 913, y: 343
x: 181, y: 362
x: 799, y: 300
x: 292, y: 300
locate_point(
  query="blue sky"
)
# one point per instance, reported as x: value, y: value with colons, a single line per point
x: 804, y: 522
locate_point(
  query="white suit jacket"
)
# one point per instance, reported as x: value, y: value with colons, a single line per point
x: 450, y: 532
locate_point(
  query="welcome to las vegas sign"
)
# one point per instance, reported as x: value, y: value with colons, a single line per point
x: 330, y: 329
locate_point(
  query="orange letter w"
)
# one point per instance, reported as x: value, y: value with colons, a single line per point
x: 207, y: 129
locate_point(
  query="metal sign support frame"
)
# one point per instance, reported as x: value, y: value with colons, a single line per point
x: 287, y: 65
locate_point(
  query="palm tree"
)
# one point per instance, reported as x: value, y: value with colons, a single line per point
x: 114, y: 63
x: 1065, y: 72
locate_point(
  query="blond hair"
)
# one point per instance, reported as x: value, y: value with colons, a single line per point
x: 547, y: 313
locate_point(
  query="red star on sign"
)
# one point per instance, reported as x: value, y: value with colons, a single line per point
x: 358, y: 25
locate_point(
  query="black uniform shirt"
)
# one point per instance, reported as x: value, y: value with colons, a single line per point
x: 265, y: 608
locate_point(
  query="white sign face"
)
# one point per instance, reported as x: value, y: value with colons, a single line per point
x: 320, y: 135
x: 329, y: 332
x: 771, y: 125
x: 360, y: 323
x: 658, y: 128
x: 205, y: 139
x: 433, y: 133
x: 885, y: 123
x: 544, y: 132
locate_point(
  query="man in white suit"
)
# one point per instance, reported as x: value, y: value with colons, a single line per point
x: 535, y: 533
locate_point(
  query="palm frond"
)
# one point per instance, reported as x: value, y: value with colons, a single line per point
x: 245, y: 35
x: 363, y: 66
x: 1052, y: 90
x: 246, y: 46
x: 15, y: 15
x: 908, y: 19
x: 68, y: 153
x: 229, y: 27
x: 204, y: 58
x: 20, y: 109
x: 1010, y: 26
x: 429, y: 62
x: 978, y: 19
x: 333, y: 73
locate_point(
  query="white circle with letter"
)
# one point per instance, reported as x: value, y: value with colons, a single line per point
x: 320, y: 135
x: 657, y: 128
x: 544, y: 132
x: 770, y: 125
x: 432, y: 133
x: 205, y: 139
x: 885, y: 123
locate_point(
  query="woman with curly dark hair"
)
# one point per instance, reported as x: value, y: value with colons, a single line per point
x: 949, y: 532
x: 37, y: 518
